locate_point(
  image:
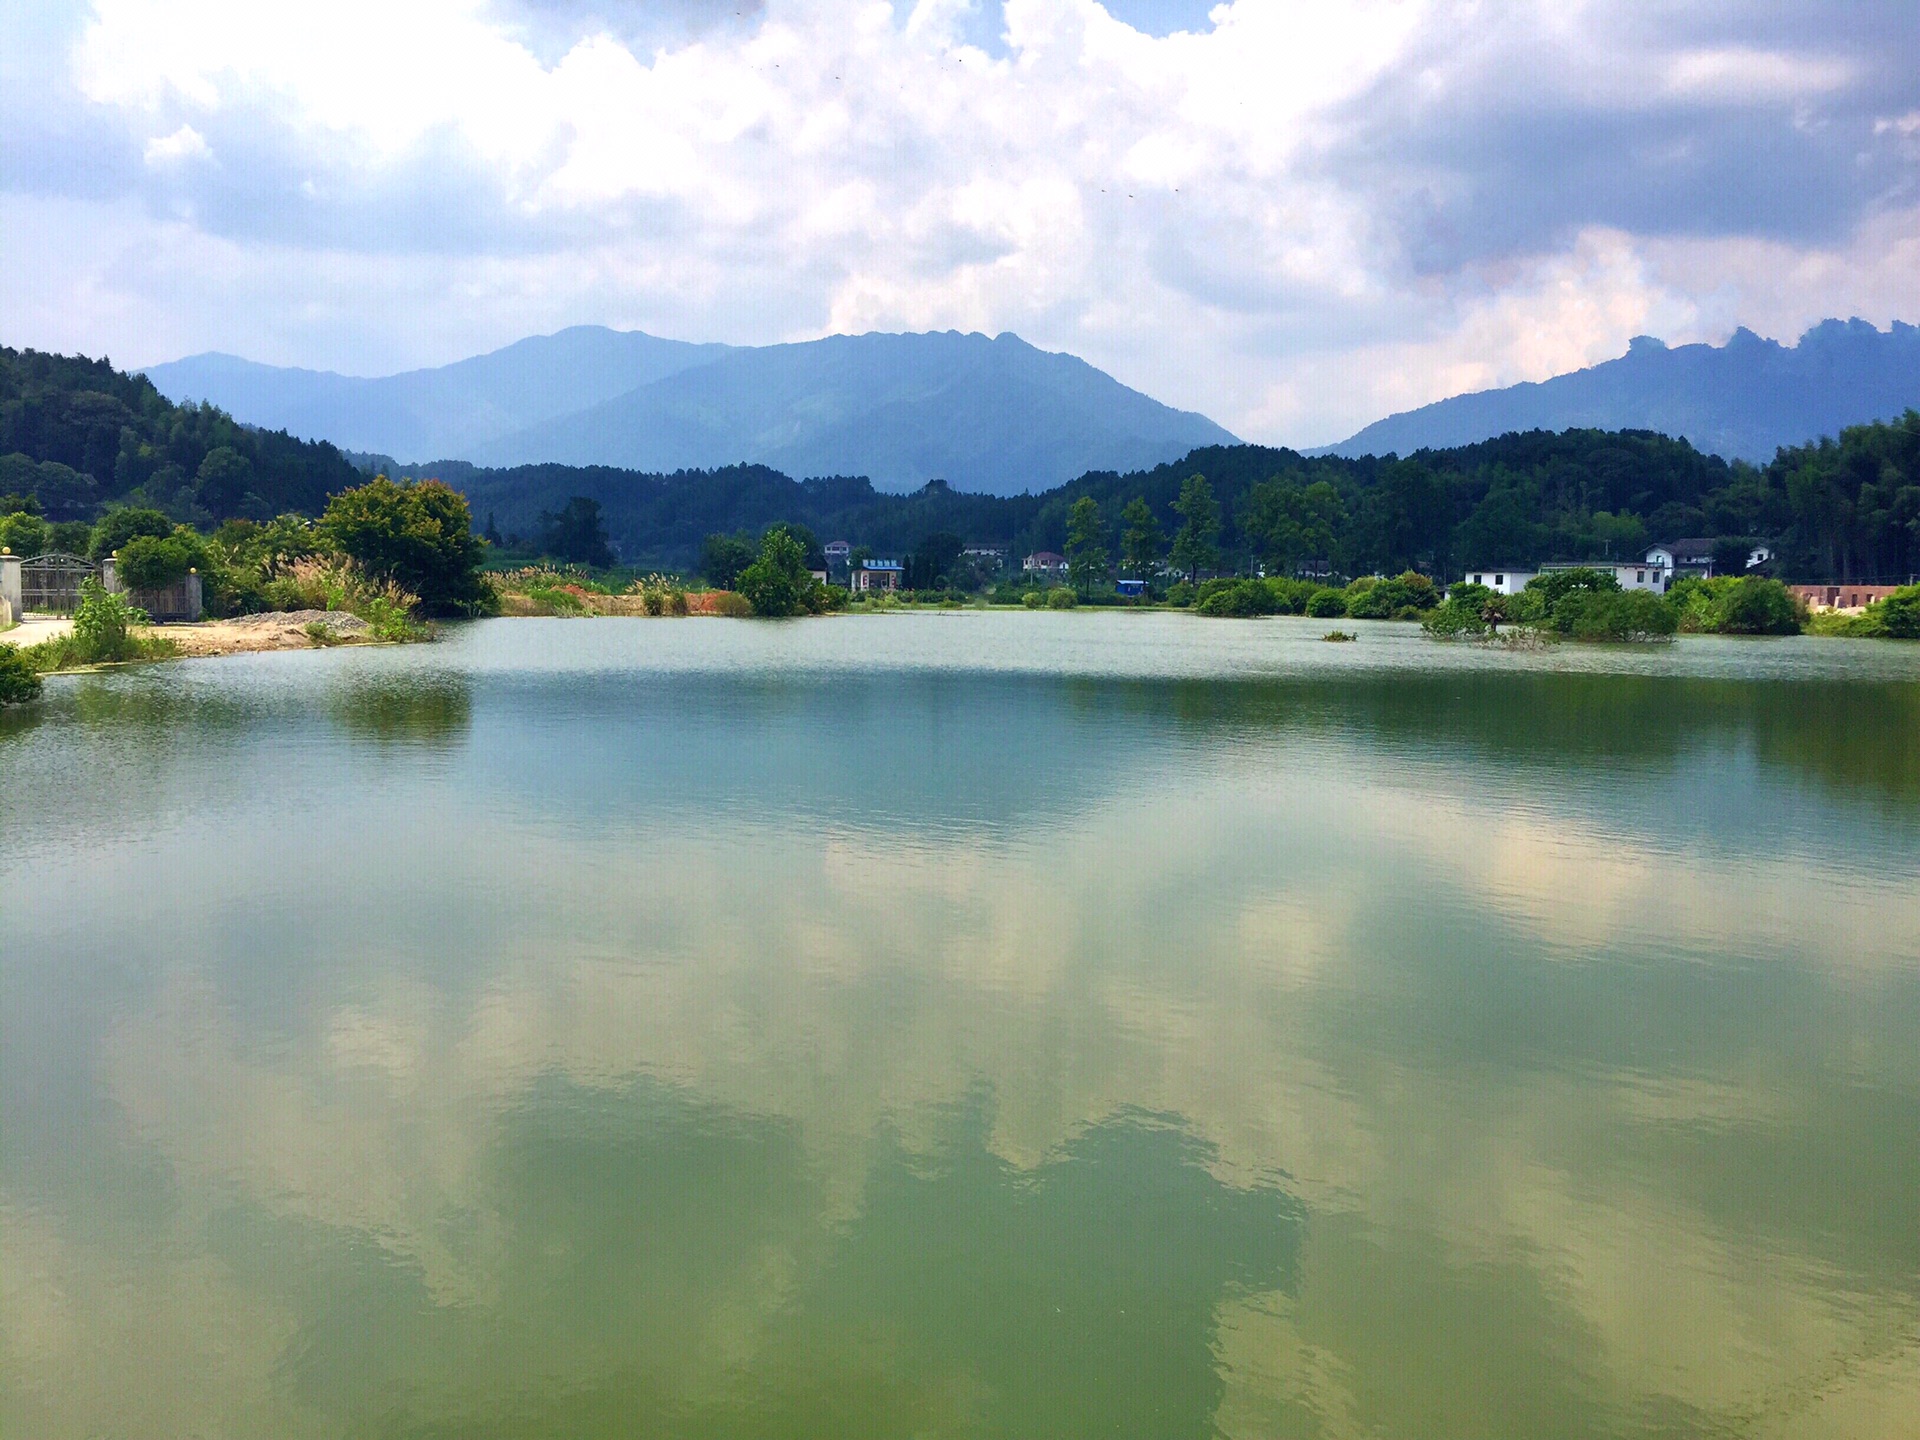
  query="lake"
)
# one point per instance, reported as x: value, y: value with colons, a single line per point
x: 971, y: 1024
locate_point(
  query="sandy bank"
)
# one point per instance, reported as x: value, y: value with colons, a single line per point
x: 279, y: 630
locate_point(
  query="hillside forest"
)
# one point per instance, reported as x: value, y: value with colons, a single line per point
x: 78, y: 438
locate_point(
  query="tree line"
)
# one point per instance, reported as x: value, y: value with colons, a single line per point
x: 1844, y: 508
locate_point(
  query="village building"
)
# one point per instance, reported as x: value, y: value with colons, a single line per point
x: 1632, y: 574
x: 1510, y: 581
x: 1845, y: 598
x: 1692, y: 556
x: 1045, y: 564
x: 876, y: 575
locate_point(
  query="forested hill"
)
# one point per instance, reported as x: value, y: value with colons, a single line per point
x: 1846, y: 508
x: 79, y: 435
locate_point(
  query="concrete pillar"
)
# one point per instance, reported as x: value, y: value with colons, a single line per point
x: 10, y: 585
x: 110, y: 575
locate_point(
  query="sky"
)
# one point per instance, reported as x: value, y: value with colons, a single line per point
x: 1295, y: 216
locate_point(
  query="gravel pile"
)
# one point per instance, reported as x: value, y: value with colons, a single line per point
x: 337, y: 621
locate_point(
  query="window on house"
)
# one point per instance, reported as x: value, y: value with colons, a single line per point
x: 1499, y: 579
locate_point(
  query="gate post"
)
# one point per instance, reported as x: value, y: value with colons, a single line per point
x: 10, y: 585
x: 110, y: 574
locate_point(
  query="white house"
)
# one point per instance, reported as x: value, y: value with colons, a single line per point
x: 1045, y: 562
x: 1683, y: 557
x: 838, y: 551
x: 1632, y: 574
x: 1501, y: 582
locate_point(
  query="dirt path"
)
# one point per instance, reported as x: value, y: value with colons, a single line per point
x: 36, y: 628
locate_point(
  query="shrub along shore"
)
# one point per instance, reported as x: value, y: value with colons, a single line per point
x: 387, y: 557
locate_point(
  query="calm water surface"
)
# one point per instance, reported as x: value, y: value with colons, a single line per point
x: 964, y: 1025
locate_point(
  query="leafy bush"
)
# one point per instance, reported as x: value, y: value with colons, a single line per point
x: 1034, y: 599
x: 1061, y: 598
x: 1736, y: 605
x: 1401, y: 597
x: 1293, y: 595
x: 1898, y: 616
x: 103, y: 624
x: 1237, y: 598
x: 730, y: 604
x: 19, y: 681
x: 1753, y: 606
x: 153, y: 562
x: 1326, y: 603
x: 1467, y: 610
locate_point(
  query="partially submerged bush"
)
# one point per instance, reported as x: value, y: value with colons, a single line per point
x: 1398, y: 597
x: 1326, y: 603
x: 1625, y: 615
x: 1736, y: 605
x: 1242, y: 598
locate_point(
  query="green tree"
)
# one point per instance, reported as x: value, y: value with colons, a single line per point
x: 574, y: 535
x: 1087, y: 562
x: 1141, y: 540
x: 777, y: 582
x: 223, y: 479
x: 24, y: 534
x: 932, y: 560
x: 116, y: 527
x: 723, y: 557
x: 417, y: 533
x: 1195, y: 546
x: 149, y: 562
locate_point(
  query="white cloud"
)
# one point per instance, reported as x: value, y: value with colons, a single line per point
x: 1241, y: 218
x: 186, y: 143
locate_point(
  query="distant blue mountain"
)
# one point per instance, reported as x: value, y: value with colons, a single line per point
x: 444, y: 413
x: 1743, y: 400
x: 992, y: 415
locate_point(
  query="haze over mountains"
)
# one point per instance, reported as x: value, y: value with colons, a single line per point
x: 1741, y: 401
x: 991, y: 415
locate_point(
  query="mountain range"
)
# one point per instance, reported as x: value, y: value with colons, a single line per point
x: 994, y: 415
x: 1741, y: 401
